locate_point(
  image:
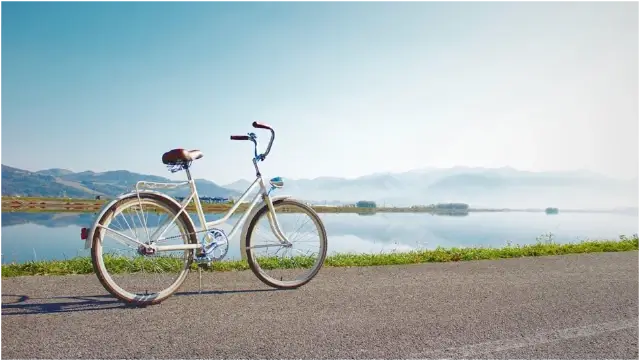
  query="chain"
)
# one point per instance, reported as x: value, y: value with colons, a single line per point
x: 189, y: 234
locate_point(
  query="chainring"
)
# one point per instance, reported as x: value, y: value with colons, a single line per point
x: 218, y: 248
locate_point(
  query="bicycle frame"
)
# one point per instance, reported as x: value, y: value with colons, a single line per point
x: 207, y: 225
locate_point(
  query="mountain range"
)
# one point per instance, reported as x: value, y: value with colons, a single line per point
x: 61, y: 182
x: 480, y: 187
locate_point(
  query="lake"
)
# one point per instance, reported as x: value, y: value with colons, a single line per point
x: 46, y: 236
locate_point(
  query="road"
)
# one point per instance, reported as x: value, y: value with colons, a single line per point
x: 574, y: 306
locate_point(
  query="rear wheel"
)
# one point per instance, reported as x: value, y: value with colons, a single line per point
x: 130, y: 272
x: 288, y: 267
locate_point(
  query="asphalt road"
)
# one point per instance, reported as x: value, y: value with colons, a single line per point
x: 575, y: 306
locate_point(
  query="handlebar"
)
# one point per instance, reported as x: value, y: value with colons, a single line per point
x: 239, y: 137
x: 263, y: 126
x: 252, y: 137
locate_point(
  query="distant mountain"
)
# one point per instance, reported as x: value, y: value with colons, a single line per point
x: 206, y: 188
x: 88, y: 184
x: 240, y: 185
x: 21, y: 182
x: 55, y: 172
x: 479, y: 187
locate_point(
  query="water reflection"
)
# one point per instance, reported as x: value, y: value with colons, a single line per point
x: 29, y: 236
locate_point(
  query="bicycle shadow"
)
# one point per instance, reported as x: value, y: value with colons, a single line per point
x: 25, y: 305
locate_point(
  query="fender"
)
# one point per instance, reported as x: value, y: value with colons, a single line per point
x: 105, y: 208
x: 245, y: 226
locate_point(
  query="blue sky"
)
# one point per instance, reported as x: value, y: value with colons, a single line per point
x: 351, y: 88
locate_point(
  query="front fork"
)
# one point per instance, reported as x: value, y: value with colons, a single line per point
x: 273, y: 220
x: 271, y: 212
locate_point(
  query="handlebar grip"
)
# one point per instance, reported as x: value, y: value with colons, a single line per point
x: 239, y: 137
x: 263, y: 126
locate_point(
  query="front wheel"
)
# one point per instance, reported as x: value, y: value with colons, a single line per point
x: 289, y: 266
x: 125, y: 268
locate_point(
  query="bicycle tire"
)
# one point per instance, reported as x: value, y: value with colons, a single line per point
x: 255, y: 267
x: 99, y: 267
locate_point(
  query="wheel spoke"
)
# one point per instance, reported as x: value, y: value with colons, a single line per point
x: 287, y: 267
x: 132, y: 273
x: 121, y: 236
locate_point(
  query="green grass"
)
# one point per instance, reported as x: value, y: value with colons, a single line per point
x: 544, y: 247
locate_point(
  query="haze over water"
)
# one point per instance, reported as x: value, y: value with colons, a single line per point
x: 57, y: 236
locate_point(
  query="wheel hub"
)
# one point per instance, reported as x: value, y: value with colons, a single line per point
x: 145, y: 250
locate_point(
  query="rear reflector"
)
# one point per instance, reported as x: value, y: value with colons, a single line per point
x: 84, y: 233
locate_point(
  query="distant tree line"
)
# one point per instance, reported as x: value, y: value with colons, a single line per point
x: 452, y: 206
x: 210, y: 200
x: 366, y: 204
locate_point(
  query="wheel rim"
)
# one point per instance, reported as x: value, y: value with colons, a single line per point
x: 141, y: 277
x: 288, y: 266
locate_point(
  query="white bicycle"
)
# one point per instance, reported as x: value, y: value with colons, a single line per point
x: 128, y: 220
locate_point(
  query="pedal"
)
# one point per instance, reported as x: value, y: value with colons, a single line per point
x: 204, y: 262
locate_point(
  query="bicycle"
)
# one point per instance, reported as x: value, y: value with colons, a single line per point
x: 213, y: 246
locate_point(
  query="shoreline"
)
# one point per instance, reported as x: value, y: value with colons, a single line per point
x: 83, y: 265
x: 78, y: 205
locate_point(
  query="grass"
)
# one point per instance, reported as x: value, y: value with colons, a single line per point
x: 545, y: 246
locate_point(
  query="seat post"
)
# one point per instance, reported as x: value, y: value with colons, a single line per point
x: 188, y: 173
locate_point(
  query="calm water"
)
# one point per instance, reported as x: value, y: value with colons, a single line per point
x: 42, y: 236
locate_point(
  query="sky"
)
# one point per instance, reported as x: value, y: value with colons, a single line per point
x: 350, y: 88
